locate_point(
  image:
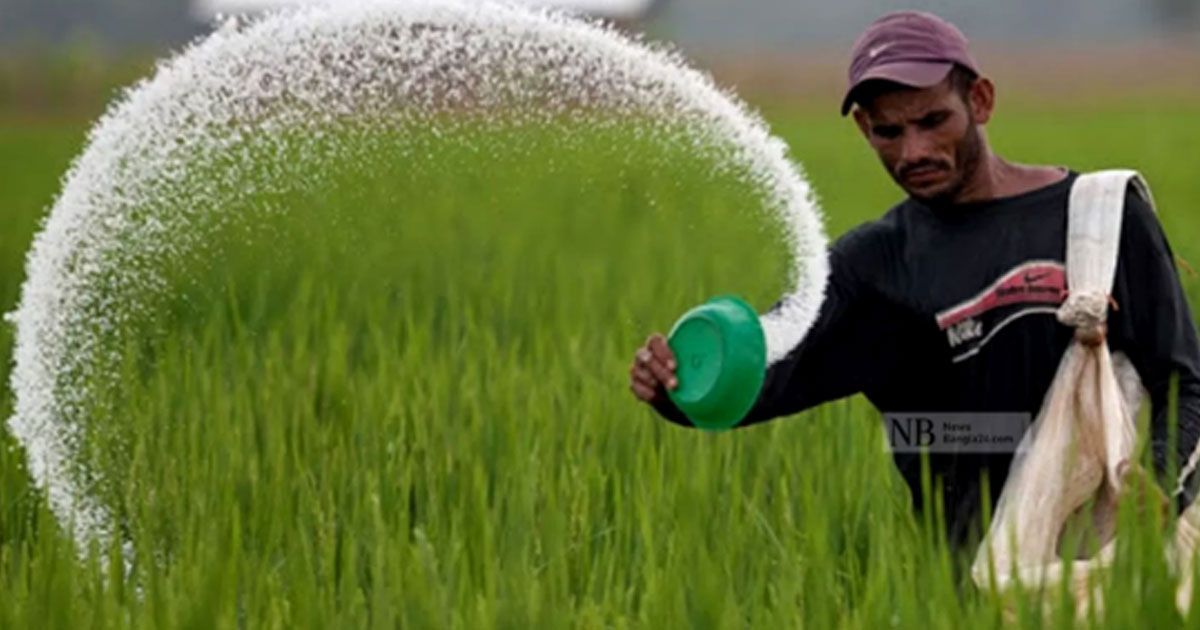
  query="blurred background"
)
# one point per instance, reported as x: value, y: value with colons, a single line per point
x: 65, y: 58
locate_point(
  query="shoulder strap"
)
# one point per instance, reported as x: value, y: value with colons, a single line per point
x: 1094, y: 226
x: 1094, y: 215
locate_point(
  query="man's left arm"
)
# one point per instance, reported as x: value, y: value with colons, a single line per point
x: 1153, y: 326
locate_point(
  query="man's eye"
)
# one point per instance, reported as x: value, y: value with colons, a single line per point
x: 932, y: 121
x: 887, y: 131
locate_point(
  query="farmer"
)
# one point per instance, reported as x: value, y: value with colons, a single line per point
x: 946, y: 304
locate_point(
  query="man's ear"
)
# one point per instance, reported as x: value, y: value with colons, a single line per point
x: 982, y: 100
x: 864, y: 125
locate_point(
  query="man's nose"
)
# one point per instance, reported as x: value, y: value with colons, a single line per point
x: 914, y: 147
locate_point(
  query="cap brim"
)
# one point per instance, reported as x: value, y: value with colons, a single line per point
x: 916, y: 74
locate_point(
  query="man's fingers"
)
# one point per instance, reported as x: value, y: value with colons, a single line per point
x: 647, y: 394
x: 662, y: 352
x: 644, y: 376
x: 653, y: 368
x: 664, y: 375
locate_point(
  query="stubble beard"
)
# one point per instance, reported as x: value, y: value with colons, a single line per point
x: 968, y: 156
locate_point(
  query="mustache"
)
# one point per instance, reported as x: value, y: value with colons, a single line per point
x: 904, y: 170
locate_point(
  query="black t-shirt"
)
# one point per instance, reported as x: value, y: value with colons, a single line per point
x: 953, y: 310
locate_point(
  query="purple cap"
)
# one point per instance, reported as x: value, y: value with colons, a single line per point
x: 911, y: 48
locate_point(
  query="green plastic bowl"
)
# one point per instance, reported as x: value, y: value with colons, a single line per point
x: 721, y: 357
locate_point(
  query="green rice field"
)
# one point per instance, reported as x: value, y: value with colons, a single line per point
x: 419, y: 417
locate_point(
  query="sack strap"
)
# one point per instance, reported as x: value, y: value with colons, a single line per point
x: 1094, y: 215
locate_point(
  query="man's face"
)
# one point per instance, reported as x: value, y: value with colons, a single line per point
x: 928, y: 139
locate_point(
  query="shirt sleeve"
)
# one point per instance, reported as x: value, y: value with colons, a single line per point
x: 831, y: 361
x: 1153, y: 326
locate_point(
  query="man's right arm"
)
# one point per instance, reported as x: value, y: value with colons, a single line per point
x: 834, y: 360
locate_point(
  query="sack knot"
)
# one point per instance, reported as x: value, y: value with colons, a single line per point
x: 1086, y: 312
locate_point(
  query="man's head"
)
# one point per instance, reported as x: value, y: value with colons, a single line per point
x: 920, y: 103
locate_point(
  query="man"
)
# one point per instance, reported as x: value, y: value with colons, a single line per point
x: 947, y: 302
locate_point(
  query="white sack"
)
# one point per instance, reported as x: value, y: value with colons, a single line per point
x: 1081, y: 445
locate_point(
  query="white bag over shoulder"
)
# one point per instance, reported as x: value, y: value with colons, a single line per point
x: 1081, y: 445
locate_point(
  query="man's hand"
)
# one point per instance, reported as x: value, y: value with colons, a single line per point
x: 653, y: 370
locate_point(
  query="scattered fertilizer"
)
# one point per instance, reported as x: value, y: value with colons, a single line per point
x: 252, y: 92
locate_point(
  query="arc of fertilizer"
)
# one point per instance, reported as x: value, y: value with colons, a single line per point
x: 299, y: 70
